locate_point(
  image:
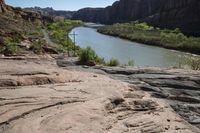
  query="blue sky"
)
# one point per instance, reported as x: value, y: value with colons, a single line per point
x: 60, y: 4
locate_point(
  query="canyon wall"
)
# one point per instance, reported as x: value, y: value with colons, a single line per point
x: 48, y: 11
x: 183, y: 14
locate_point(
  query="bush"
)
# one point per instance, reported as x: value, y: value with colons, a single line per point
x: 113, y: 62
x: 37, y: 47
x: 9, y: 47
x: 143, y: 26
x: 131, y: 62
x: 194, y: 63
x: 88, y: 55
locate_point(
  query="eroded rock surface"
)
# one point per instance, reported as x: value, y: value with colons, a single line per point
x: 77, y: 102
x: 181, y: 88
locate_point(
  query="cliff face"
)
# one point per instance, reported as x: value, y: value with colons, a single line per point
x: 2, y: 6
x: 34, y: 17
x: 183, y: 14
x: 51, y: 12
x: 90, y: 15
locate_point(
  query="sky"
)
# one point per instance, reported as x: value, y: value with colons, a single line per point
x: 60, y: 4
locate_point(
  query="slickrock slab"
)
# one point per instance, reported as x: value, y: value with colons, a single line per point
x: 180, y: 88
x: 78, y: 102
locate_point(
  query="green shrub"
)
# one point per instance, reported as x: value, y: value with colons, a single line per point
x: 9, y: 47
x: 194, y: 63
x: 113, y: 62
x: 143, y: 26
x: 16, y: 37
x: 131, y: 62
x: 53, y: 26
x: 87, y: 54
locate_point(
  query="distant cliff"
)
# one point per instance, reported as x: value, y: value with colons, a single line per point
x: 183, y: 14
x: 33, y: 17
x: 51, y: 12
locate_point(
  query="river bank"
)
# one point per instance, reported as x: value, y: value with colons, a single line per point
x: 109, y: 47
x: 38, y: 96
x: 148, y: 35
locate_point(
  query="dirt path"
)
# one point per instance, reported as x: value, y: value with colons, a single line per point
x: 47, y: 38
x: 36, y: 96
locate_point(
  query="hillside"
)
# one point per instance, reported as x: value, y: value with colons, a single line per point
x: 18, y: 20
x: 17, y: 26
x: 183, y: 14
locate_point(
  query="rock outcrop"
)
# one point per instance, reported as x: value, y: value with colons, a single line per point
x: 33, y: 17
x: 51, y: 12
x: 2, y: 6
x: 183, y: 14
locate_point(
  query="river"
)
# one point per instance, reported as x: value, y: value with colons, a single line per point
x: 143, y: 55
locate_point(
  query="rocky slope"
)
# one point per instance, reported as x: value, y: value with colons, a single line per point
x: 32, y: 17
x: 49, y: 99
x: 183, y: 14
x: 16, y: 25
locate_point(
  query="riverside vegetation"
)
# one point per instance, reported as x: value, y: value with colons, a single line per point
x: 35, y: 43
x: 58, y: 32
x: 88, y: 56
x: 144, y: 33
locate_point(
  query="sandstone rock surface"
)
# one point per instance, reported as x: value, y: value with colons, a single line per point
x: 36, y: 96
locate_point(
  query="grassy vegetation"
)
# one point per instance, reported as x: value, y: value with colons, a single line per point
x: 14, y: 30
x: 9, y: 47
x: 113, y: 62
x: 192, y: 62
x: 195, y: 64
x: 36, y: 33
x: 131, y: 62
x: 59, y: 35
x: 87, y: 55
x: 143, y: 33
